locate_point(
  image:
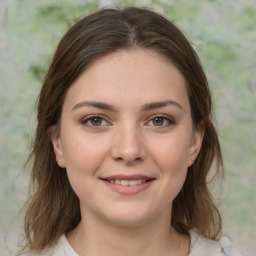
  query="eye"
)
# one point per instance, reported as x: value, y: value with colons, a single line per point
x: 158, y: 121
x: 94, y: 121
x: 161, y: 121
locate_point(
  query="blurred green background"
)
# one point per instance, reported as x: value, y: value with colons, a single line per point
x: 224, y: 34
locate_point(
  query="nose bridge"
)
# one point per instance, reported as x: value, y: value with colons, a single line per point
x: 128, y: 143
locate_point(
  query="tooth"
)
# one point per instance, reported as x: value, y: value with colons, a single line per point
x: 133, y: 182
x: 128, y: 182
x: 125, y: 182
x: 139, y: 181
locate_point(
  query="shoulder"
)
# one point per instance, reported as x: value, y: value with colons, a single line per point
x: 50, y: 251
x: 201, y: 246
x: 61, y: 248
x: 228, y: 247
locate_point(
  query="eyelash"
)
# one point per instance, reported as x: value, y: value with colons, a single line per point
x: 167, y: 120
x: 88, y: 119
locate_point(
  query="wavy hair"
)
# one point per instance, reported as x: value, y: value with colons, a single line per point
x: 52, y: 207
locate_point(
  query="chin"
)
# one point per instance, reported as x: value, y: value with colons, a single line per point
x: 129, y: 217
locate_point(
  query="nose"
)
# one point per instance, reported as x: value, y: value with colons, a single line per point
x: 128, y: 145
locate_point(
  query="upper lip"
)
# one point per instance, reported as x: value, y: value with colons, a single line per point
x: 127, y: 177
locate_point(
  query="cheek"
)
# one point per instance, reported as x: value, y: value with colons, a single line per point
x: 83, y: 153
x: 172, y: 152
x: 171, y: 157
x: 83, y: 157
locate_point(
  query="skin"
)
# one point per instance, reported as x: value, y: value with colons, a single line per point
x: 128, y: 139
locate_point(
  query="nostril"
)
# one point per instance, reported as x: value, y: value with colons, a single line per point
x: 128, y: 151
x: 119, y: 159
x: 128, y: 159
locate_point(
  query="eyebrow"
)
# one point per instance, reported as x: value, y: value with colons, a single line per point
x: 95, y: 104
x: 160, y: 104
x: 146, y: 107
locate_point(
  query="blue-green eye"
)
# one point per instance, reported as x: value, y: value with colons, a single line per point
x: 161, y: 121
x: 94, y: 121
x: 158, y: 121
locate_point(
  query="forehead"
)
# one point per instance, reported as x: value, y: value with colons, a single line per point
x: 129, y: 77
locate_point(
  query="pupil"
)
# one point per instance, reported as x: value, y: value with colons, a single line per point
x: 158, y: 121
x: 96, y: 121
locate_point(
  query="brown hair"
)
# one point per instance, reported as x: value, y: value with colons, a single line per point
x: 53, y: 207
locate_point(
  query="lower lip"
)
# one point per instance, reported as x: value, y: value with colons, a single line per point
x: 129, y: 190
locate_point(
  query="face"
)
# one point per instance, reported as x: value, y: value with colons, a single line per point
x: 126, y: 137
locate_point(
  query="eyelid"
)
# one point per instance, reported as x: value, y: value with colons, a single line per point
x: 169, y: 119
x: 85, y: 119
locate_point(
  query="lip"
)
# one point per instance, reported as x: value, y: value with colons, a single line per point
x: 127, y: 177
x: 128, y: 190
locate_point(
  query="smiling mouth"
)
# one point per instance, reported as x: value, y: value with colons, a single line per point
x: 127, y: 182
x: 132, y: 180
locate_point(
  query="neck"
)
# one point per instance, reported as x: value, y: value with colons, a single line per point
x: 96, y: 237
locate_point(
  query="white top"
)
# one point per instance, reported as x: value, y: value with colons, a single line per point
x: 200, y: 246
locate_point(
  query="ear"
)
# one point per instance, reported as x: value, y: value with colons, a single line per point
x: 196, y: 142
x: 57, y: 146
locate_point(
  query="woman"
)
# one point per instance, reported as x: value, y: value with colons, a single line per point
x: 124, y: 143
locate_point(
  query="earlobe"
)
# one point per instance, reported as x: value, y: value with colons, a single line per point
x: 57, y: 146
x: 196, y: 144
